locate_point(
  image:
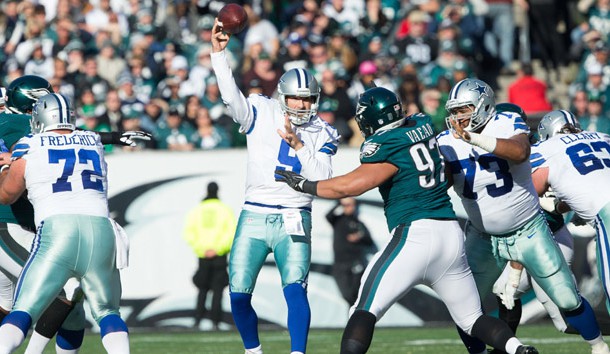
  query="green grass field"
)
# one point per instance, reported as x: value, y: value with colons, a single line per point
x: 387, y: 340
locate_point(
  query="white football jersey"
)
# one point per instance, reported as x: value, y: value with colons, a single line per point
x: 64, y: 173
x: 260, y: 118
x: 579, y: 169
x: 498, y: 195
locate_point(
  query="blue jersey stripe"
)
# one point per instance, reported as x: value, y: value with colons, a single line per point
x: 253, y: 121
x: 536, y: 159
x: 329, y: 148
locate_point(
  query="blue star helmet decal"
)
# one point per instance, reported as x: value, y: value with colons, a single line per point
x: 481, y: 89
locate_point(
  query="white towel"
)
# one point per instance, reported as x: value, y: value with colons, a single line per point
x: 122, y: 246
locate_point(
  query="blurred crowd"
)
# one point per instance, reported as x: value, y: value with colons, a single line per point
x: 145, y: 65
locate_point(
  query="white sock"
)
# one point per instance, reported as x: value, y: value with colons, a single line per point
x: 257, y: 350
x: 11, y: 337
x: 512, y: 345
x: 116, y: 342
x: 296, y: 353
x: 59, y: 350
x: 37, y: 343
x: 596, y: 341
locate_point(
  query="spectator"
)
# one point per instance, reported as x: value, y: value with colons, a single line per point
x: 319, y: 59
x: 262, y: 31
x: 528, y: 92
x: 209, y: 231
x: 292, y: 54
x: 265, y: 72
x: 596, y: 120
x: 442, y: 66
x: 334, y: 98
x: 208, y: 135
x: 374, y: 23
x: 499, y: 34
x: 112, y: 115
x: 409, y: 89
x: 174, y: 134
x: 418, y: 45
x: 90, y: 78
x: 201, y: 70
x: 112, y: 64
x: 213, y: 102
x: 62, y: 82
x: 352, y: 245
x: 129, y: 101
x: 181, y: 23
x: 340, y: 49
x: 75, y: 58
x: 346, y: 13
x: 39, y: 64
x: 191, y: 107
x: 431, y: 105
x: 143, y: 81
x: 579, y: 104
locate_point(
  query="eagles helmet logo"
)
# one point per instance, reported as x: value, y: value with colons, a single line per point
x: 360, y: 109
x: 369, y: 149
x: 35, y: 93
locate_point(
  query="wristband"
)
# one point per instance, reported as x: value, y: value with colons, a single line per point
x: 485, y: 142
x: 310, y: 187
x: 4, y: 167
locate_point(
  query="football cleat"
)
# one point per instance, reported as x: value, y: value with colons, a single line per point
x: 526, y: 349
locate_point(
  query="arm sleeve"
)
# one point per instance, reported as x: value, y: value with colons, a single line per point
x: 316, y: 165
x: 236, y: 102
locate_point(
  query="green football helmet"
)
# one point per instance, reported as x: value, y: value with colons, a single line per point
x: 378, y: 109
x: 23, y: 92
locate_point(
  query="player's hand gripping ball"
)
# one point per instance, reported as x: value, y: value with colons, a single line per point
x: 232, y: 18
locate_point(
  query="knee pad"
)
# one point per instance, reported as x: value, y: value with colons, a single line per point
x: 70, y: 340
x: 112, y: 323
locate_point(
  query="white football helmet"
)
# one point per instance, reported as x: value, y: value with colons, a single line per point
x: 298, y: 83
x: 51, y: 112
x: 475, y: 93
x: 555, y: 122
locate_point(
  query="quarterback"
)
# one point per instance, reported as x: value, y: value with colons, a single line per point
x: 286, y: 134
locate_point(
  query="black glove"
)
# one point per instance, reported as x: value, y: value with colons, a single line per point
x: 296, y: 181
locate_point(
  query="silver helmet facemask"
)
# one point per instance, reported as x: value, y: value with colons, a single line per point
x: 557, y: 122
x: 299, y: 83
x: 476, y: 94
x: 51, y: 112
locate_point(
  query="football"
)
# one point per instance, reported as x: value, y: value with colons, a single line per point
x: 232, y: 18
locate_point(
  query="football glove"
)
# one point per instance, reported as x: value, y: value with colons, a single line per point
x: 296, y: 181
x: 508, y: 292
x: 130, y: 137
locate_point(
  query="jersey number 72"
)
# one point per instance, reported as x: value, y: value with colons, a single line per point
x: 91, y: 178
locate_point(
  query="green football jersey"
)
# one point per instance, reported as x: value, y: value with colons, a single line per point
x: 12, y: 128
x: 418, y: 190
